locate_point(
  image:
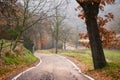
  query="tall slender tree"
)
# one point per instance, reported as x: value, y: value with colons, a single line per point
x: 57, y: 21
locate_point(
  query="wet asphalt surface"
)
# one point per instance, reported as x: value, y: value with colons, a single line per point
x: 53, y: 67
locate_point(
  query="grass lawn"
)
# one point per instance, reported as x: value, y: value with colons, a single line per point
x: 111, y: 55
x: 110, y: 72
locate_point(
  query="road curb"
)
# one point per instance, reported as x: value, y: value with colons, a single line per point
x: 14, y: 78
x: 77, y: 68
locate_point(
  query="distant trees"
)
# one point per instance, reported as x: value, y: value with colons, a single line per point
x: 30, y: 16
x: 39, y: 19
x: 39, y: 33
x: 57, y: 22
x: 34, y: 13
x: 32, y: 21
x: 28, y: 43
x: 65, y: 35
x: 17, y: 18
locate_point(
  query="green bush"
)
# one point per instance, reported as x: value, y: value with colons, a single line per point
x: 13, y: 34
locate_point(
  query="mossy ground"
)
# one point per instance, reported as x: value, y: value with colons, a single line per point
x: 10, y: 61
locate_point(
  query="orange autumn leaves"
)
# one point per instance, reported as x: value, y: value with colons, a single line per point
x: 9, y: 11
x: 102, y: 3
x: 108, y: 37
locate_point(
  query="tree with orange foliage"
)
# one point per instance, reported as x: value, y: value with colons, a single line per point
x: 90, y: 12
x: 109, y: 38
x: 8, y: 14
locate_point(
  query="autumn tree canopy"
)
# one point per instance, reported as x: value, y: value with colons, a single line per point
x: 108, y: 37
x: 9, y: 13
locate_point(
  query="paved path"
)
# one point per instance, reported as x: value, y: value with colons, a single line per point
x: 53, y: 67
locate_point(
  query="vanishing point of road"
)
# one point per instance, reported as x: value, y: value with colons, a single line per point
x: 52, y: 67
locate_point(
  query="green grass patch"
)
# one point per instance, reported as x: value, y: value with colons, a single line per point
x: 82, y: 57
x: 5, y: 43
x: 112, y: 70
x: 111, y: 55
x: 14, y: 60
x: 29, y: 57
x: 26, y: 58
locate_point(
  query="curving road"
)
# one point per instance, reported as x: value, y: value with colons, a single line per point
x: 52, y: 67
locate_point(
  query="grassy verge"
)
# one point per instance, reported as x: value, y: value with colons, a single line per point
x: 15, y: 60
x: 111, y: 55
x: 80, y: 56
x: 110, y: 72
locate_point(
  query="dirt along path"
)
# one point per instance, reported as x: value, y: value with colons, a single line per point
x: 52, y: 67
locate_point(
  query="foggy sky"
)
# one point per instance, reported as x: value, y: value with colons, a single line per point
x: 77, y: 22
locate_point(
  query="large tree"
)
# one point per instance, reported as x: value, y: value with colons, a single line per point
x: 91, y: 10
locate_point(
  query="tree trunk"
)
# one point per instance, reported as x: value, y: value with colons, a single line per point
x: 11, y: 45
x: 56, y: 48
x: 1, y: 47
x: 41, y: 40
x: 91, y: 10
x: 16, y: 41
x: 53, y: 40
x: 64, y: 44
x: 56, y: 43
x: 95, y: 43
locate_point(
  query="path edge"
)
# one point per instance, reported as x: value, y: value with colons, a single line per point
x: 77, y: 68
x: 18, y: 75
